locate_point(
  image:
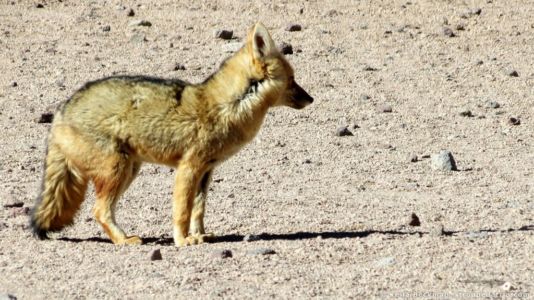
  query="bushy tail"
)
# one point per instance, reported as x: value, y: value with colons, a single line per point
x: 63, y: 191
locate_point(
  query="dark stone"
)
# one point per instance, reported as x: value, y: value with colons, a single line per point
x: 285, y: 48
x: 224, y: 34
x: 448, y: 32
x: 14, y: 204
x: 251, y: 238
x: 513, y: 73
x: 224, y: 253
x: 514, y: 121
x: 178, y: 67
x: 46, y: 118
x: 155, y: 255
x: 293, y: 27
x: 343, y: 131
x: 466, y: 113
x: 414, y: 220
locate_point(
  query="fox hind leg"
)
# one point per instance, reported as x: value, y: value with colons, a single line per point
x: 109, y: 187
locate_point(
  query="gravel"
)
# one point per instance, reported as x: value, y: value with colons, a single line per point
x: 354, y: 194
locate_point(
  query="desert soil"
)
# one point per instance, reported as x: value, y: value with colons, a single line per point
x: 335, y: 210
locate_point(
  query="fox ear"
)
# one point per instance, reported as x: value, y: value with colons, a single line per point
x: 261, y: 42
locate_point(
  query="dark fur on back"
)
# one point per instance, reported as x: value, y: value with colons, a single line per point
x: 180, y: 84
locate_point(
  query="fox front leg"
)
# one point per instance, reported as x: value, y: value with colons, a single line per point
x: 197, y: 218
x: 188, y: 177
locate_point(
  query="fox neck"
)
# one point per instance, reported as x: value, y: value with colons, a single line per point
x: 240, y: 99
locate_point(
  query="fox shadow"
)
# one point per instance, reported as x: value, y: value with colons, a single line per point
x: 304, y: 235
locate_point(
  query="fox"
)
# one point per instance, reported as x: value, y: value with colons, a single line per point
x: 108, y: 128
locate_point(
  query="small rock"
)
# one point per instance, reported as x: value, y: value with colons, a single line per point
x: 140, y: 23
x: 285, y: 48
x: 130, y: 13
x: 224, y: 253
x: 46, y: 118
x: 307, y: 161
x: 14, y: 84
x: 466, y: 113
x: 507, y: 286
x: 386, y: 261
x: 251, y: 238
x: 223, y: 34
x: 479, y: 62
x: 492, y: 104
x: 445, y: 21
x: 437, y: 230
x: 385, y: 108
x: 514, y: 121
x: 513, y: 73
x: 413, y: 158
x: 138, y: 38
x: 155, y: 255
x: 178, y: 67
x: 232, y: 47
x: 343, y: 131
x: 444, y: 161
x: 331, y: 13
x: 106, y: 28
x: 448, y: 32
x: 476, y: 11
x: 8, y: 296
x: 39, y: 5
x: 261, y: 251
x: 460, y: 26
x: 14, y: 204
x: 369, y: 69
x: 60, y: 82
x: 293, y: 27
x: 365, y: 97
x: 414, y: 220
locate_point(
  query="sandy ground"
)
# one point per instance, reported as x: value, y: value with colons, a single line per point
x: 334, y: 210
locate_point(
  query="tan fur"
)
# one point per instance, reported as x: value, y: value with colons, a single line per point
x: 109, y: 127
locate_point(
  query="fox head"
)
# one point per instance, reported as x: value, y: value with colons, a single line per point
x: 271, y: 68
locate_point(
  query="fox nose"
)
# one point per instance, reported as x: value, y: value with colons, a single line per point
x: 302, y: 94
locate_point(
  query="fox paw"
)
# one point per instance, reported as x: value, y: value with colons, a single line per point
x: 131, y: 240
x: 194, y: 239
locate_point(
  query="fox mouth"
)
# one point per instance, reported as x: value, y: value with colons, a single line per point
x: 299, y: 105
